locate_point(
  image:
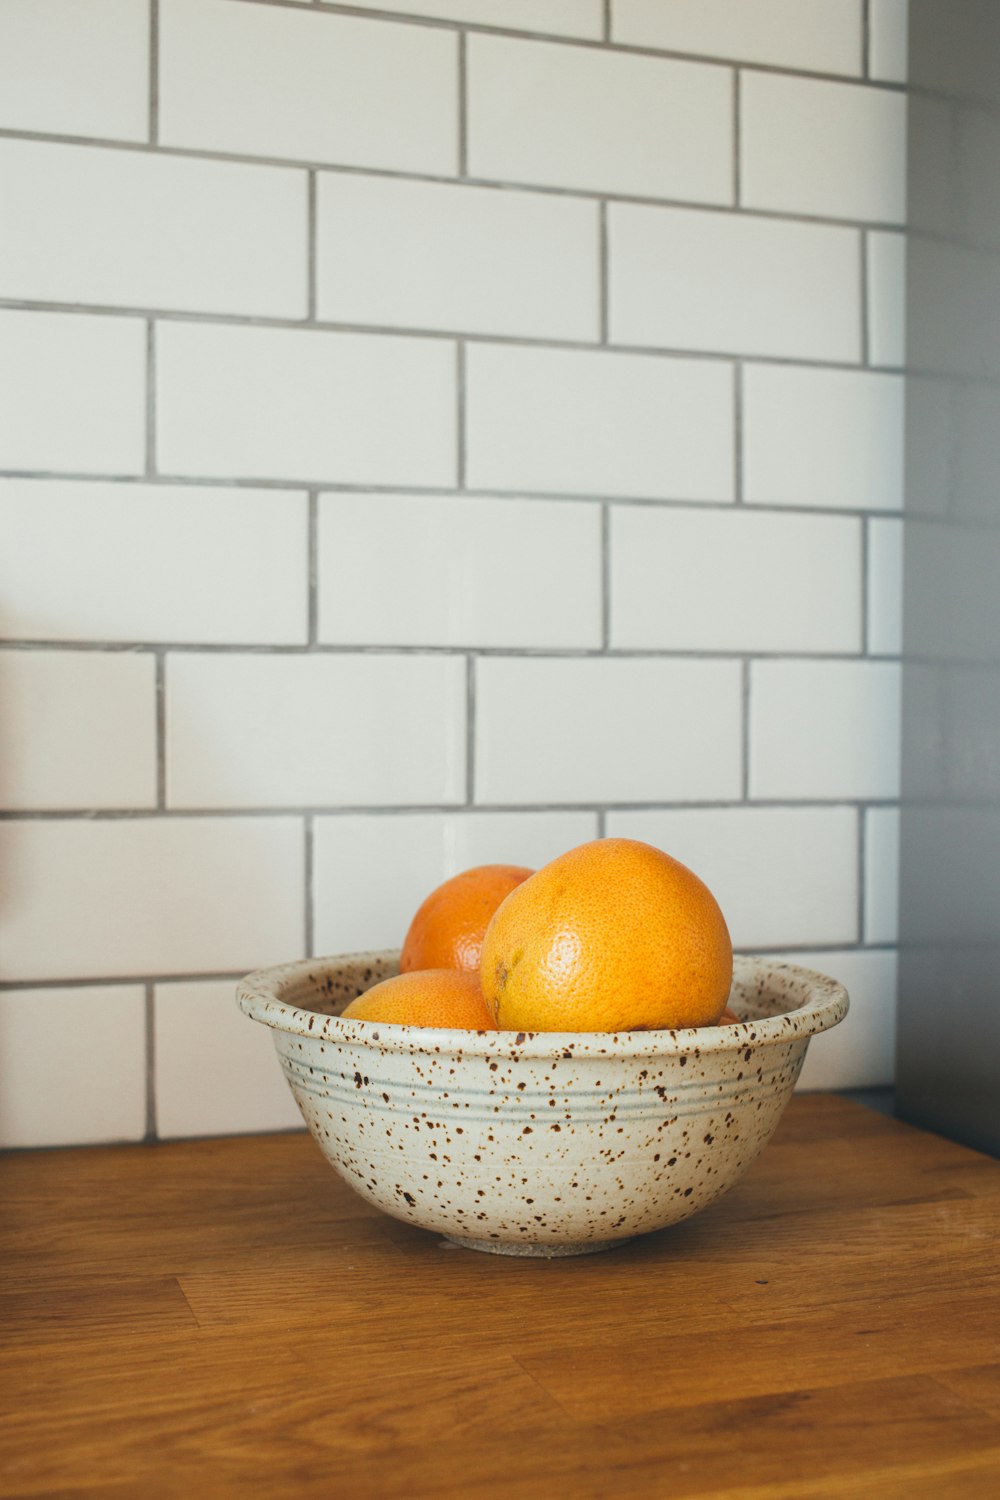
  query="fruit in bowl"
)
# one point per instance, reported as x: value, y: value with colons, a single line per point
x: 600, y: 1093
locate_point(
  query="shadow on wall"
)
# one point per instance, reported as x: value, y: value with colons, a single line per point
x: 949, y: 993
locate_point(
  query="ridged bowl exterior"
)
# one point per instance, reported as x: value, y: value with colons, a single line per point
x: 531, y: 1142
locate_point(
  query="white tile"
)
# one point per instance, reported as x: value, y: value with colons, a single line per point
x: 151, y: 231
x: 532, y: 118
x: 141, y: 562
x: 885, y: 587
x: 74, y: 1066
x: 888, y: 23
x: 279, y: 403
x: 881, y: 874
x: 813, y: 147
x: 271, y: 81
x: 216, y: 1070
x: 717, y: 580
x: 886, y: 297
x: 357, y: 907
x: 472, y: 259
x: 823, y: 437
x: 294, y: 731
x: 72, y: 393
x: 809, y: 34
x: 582, y: 18
x: 824, y: 729
x: 587, y: 423
x: 458, y: 571
x: 75, y: 67
x: 98, y: 898
x: 782, y: 876
x: 78, y: 729
x: 733, y: 283
x: 605, y: 730
x: 861, y: 1051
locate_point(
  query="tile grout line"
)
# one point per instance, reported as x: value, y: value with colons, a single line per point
x: 745, y: 685
x: 603, y: 275
x: 150, y: 455
x: 470, y: 730
x: 311, y: 246
x: 447, y: 335
x: 309, y: 874
x: 399, y: 19
x: 865, y: 590
x: 605, y: 577
x: 463, y: 107
x: 150, y: 1055
x: 607, y: 22
x: 865, y: 292
x: 154, y: 72
x: 460, y: 416
x: 739, y: 459
x: 866, y: 40
x: 737, y: 137
x: 664, y: 654
x: 103, y: 981
x: 417, y: 492
x: 862, y: 857
x: 221, y: 813
x: 160, y: 670
x: 294, y: 165
x: 312, y: 570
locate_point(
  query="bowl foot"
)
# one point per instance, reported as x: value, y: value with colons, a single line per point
x: 544, y: 1252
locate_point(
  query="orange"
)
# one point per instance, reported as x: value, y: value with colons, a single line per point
x: 448, y: 929
x: 612, y: 936
x: 426, y: 997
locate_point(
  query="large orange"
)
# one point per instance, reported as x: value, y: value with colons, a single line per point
x: 613, y: 936
x: 427, y: 997
x: 448, y: 929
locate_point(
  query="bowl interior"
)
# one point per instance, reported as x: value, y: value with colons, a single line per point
x: 775, y: 1001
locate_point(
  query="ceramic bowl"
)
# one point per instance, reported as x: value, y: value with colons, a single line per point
x: 538, y: 1143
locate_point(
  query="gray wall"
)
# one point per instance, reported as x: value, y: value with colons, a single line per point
x: 948, y: 1073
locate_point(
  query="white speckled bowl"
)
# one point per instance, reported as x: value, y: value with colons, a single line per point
x: 538, y: 1143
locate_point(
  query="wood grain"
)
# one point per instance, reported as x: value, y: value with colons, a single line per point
x: 227, y: 1318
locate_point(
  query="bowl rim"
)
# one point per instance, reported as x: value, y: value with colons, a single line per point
x: 823, y: 1003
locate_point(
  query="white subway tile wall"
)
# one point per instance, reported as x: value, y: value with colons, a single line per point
x: 72, y: 393
x: 55, y: 748
x: 598, y: 423
x: 830, y: 438
x: 75, y: 67
x: 447, y: 580
x: 837, y: 150
x: 585, y: 117
x: 215, y: 1074
x: 607, y: 729
x: 733, y: 283
x: 121, y: 228
x: 703, y: 580
x: 428, y: 436
x: 814, y: 35
x: 458, y: 259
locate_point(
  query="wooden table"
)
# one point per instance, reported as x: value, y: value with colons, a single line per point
x: 225, y: 1317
